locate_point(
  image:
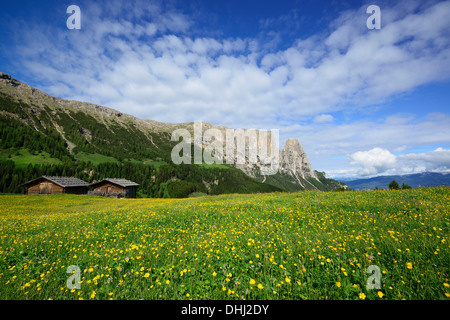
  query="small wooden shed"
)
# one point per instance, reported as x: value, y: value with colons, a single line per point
x: 55, y: 185
x: 115, y: 187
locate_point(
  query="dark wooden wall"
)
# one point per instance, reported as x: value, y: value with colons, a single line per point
x: 47, y: 187
x: 76, y: 190
x: 104, y: 187
x: 130, y: 191
x: 44, y: 187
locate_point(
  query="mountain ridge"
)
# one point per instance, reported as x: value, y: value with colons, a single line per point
x: 416, y: 180
x: 87, y: 128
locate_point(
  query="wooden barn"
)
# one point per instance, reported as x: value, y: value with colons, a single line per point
x: 113, y: 187
x: 55, y: 185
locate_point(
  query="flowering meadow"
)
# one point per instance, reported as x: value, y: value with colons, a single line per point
x: 308, y: 245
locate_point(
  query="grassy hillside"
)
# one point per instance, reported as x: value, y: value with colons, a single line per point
x: 310, y: 245
x: 45, y: 128
x: 23, y: 157
x: 82, y: 146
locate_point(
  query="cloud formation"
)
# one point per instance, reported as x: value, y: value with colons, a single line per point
x: 137, y: 58
x: 436, y: 160
x: 373, y: 161
x: 142, y: 58
x: 379, y: 161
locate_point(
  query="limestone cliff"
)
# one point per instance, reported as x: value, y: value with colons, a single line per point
x: 294, y: 162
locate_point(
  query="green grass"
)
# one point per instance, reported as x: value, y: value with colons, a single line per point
x: 309, y: 245
x: 94, y: 158
x: 197, y: 194
x: 215, y: 165
x: 155, y: 163
x: 23, y: 157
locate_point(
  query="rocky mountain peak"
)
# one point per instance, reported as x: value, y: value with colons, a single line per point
x: 8, y: 79
x: 294, y: 162
x: 293, y: 145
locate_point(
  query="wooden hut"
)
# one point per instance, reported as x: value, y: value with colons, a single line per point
x: 113, y: 187
x: 55, y: 185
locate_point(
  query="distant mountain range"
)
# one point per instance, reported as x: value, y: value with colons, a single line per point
x: 425, y: 179
x: 94, y: 142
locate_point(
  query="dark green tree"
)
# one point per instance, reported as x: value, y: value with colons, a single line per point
x: 393, y: 185
x: 405, y: 186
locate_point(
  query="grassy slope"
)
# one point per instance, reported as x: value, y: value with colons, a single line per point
x: 94, y: 158
x: 314, y: 245
x: 23, y: 157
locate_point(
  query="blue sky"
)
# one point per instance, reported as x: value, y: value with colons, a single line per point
x: 361, y: 102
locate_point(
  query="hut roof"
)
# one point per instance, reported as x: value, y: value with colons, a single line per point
x: 118, y: 181
x: 62, y: 181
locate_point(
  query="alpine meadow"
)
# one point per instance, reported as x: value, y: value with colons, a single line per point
x: 289, y: 246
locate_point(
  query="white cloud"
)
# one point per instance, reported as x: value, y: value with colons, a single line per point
x: 436, y: 160
x: 373, y: 161
x: 323, y: 118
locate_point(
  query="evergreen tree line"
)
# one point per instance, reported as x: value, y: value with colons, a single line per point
x: 167, y: 180
x: 393, y: 185
x: 14, y: 134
